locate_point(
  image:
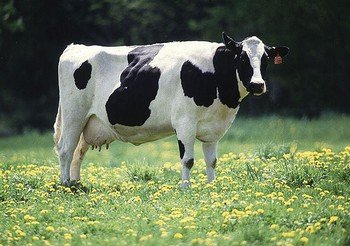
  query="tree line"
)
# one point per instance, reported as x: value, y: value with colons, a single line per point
x: 313, y: 78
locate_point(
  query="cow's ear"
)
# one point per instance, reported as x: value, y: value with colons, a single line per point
x: 277, y: 53
x: 231, y: 44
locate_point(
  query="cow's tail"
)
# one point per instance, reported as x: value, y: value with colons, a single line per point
x: 57, y: 127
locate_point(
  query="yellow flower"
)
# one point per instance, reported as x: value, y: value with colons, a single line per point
x: 82, y: 236
x: 259, y: 194
x: 288, y: 234
x: 178, y: 236
x: 145, y: 238
x: 187, y: 219
x: 306, y: 196
x: 333, y: 219
x: 197, y: 241
x: 27, y: 217
x: 274, y: 226
x: 164, y: 234
x: 136, y: 199
x: 323, y: 219
x: 212, y: 234
x: 290, y: 209
x: 50, y: 229
x: 20, y: 233
x: 304, y: 240
x: 225, y: 214
x: 310, y: 229
x: 67, y: 236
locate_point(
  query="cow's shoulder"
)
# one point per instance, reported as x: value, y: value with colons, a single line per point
x: 209, y: 74
x: 198, y: 52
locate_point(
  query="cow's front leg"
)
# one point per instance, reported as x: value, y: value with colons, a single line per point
x: 210, y: 150
x: 186, y: 149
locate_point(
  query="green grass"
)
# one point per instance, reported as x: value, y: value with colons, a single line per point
x: 246, y: 135
x: 277, y: 183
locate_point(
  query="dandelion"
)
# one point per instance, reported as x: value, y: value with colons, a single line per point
x: 310, y: 229
x: 306, y: 196
x: 135, y: 199
x: 145, y: 238
x: 61, y: 210
x: 212, y: 234
x: 259, y: 194
x: 323, y: 220
x: 20, y: 233
x: 289, y: 234
x: 333, y: 219
x: 164, y: 234
x: 178, y: 236
x: 225, y: 214
x: 28, y: 218
x: 67, y: 236
x: 274, y: 227
x: 187, y: 219
x: 50, y: 229
x: 197, y: 241
x: 304, y: 240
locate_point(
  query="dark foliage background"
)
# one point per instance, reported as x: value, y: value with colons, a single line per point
x: 313, y: 78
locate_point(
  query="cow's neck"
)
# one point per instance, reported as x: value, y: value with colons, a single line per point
x: 225, y: 64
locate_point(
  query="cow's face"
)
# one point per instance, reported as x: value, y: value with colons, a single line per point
x: 251, y: 57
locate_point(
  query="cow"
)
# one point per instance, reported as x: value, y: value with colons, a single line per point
x: 143, y: 93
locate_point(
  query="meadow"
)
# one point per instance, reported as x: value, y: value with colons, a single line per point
x: 280, y: 181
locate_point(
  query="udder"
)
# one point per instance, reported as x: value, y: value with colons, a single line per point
x: 96, y: 133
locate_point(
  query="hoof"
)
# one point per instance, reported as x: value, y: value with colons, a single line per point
x: 185, y: 185
x: 76, y: 185
x: 65, y: 183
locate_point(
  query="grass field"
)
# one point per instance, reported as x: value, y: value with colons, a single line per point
x: 279, y: 181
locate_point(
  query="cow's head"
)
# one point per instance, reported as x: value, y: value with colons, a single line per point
x: 252, y: 56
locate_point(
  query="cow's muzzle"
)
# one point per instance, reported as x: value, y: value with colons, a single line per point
x: 257, y: 88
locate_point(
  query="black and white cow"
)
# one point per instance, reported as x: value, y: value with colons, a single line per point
x: 139, y: 94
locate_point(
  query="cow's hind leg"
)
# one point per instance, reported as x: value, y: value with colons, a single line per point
x: 66, y: 146
x: 186, y: 141
x: 209, y: 150
x: 78, y: 157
